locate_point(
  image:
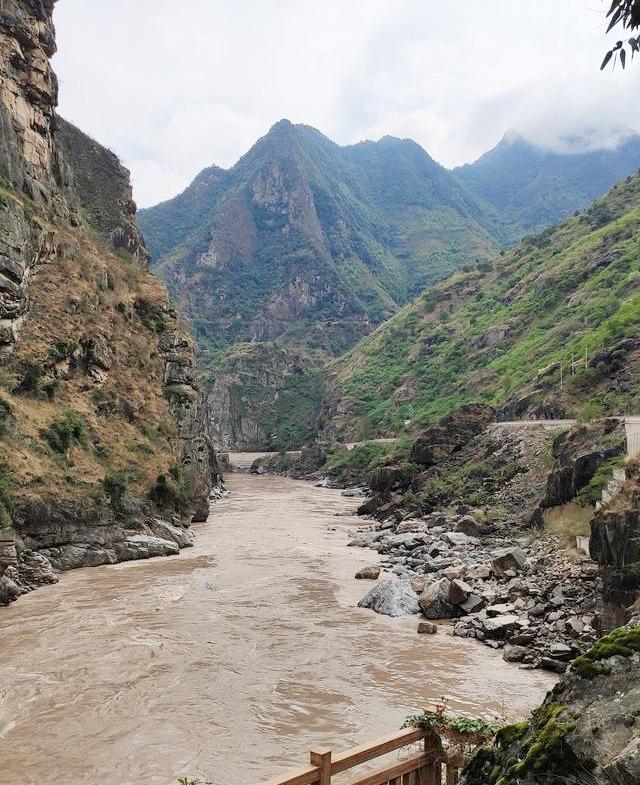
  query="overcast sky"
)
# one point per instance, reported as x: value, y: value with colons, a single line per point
x: 173, y: 87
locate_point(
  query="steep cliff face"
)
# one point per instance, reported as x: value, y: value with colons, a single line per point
x: 305, y: 246
x: 101, y: 426
x: 615, y: 545
x: 263, y: 397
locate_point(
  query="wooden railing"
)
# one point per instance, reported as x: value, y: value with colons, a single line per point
x: 430, y: 766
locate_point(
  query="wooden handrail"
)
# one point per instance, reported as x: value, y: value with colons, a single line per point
x: 386, y: 773
x: 366, y: 752
x: 324, y: 766
x: 305, y: 776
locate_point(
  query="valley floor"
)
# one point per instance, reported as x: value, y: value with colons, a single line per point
x: 231, y: 660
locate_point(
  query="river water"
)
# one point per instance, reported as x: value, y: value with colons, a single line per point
x: 229, y: 661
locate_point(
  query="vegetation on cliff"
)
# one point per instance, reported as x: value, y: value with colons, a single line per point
x: 501, y: 332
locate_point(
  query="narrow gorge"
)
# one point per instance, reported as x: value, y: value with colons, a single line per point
x: 379, y: 416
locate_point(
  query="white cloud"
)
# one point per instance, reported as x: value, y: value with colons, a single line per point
x: 174, y: 87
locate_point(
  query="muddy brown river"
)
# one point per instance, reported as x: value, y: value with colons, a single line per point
x: 228, y: 662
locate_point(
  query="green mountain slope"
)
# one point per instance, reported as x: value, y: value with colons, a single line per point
x: 568, y: 296
x: 533, y: 187
x: 312, y: 243
x: 296, y: 253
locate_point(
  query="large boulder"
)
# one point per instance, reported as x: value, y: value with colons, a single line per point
x: 368, y: 573
x: 391, y: 597
x: 451, y: 433
x: 435, y: 602
x: 390, y: 478
x: 586, y: 731
x: 508, y: 560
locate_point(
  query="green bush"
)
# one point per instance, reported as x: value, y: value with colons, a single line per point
x: 106, y: 402
x: 63, y: 348
x: 33, y: 375
x: 116, y: 486
x: 5, y: 415
x: 591, y: 493
x: 151, y: 315
x: 172, y: 490
x: 66, y: 431
x: 6, y: 496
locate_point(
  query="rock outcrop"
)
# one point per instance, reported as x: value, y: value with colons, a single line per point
x: 99, y: 184
x: 578, y: 453
x: 615, y: 545
x: 585, y: 731
x: 451, y: 433
x: 101, y: 419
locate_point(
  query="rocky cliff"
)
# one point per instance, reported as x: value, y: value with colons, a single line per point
x: 586, y: 731
x: 103, y: 456
x: 305, y: 246
x: 615, y: 545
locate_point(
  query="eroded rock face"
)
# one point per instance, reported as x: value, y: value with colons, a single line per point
x: 28, y: 97
x: 615, y: 545
x: 578, y: 454
x: 451, y: 433
x: 54, y: 181
x: 100, y: 185
x: 246, y: 386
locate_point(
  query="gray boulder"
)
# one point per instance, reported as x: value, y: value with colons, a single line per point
x: 469, y: 525
x: 498, y: 626
x: 434, y: 601
x: 508, y: 559
x: 391, y: 597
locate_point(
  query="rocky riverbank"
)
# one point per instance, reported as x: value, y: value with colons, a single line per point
x: 462, y: 530
x: 529, y: 599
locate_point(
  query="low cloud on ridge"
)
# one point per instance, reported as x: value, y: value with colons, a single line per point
x: 175, y: 87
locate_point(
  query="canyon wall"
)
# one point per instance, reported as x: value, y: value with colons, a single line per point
x: 103, y: 450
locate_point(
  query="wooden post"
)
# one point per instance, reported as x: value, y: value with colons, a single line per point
x: 321, y: 757
x: 452, y: 774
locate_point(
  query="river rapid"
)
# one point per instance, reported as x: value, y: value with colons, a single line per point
x: 228, y: 662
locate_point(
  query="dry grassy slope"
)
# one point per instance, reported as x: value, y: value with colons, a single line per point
x: 83, y: 292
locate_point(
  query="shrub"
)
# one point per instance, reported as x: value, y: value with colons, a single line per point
x: 151, y: 315
x: 172, y: 490
x: 8, y: 380
x: 5, y: 415
x: 63, y: 348
x: 116, y: 486
x: 32, y: 379
x: 106, y: 401
x: 591, y: 493
x: 6, y: 501
x: 66, y: 431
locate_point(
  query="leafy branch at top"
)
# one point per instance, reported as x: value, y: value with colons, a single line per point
x: 625, y: 13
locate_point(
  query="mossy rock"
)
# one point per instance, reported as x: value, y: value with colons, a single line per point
x: 622, y: 642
